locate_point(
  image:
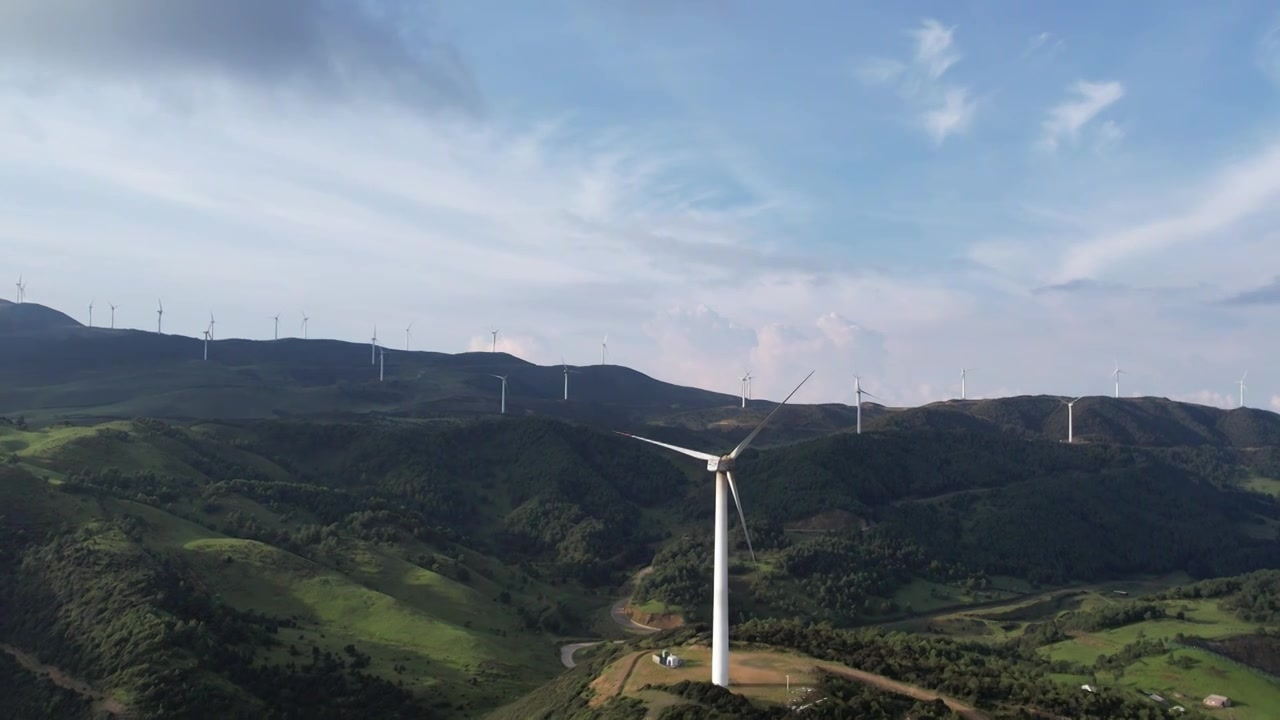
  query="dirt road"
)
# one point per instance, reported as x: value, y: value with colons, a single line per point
x: 891, y: 685
x: 57, y: 677
x: 619, y: 614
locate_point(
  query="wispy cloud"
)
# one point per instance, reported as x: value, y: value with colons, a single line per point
x: 1268, y: 294
x: 1085, y: 101
x: 1268, y: 54
x: 941, y: 109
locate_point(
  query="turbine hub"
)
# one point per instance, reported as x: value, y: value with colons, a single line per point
x: 723, y: 463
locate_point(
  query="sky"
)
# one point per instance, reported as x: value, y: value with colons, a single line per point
x: 1037, y: 191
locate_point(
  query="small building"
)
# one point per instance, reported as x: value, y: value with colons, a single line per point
x: 1155, y: 697
x: 668, y: 659
x: 1089, y: 688
x: 1217, y: 701
x: 1177, y: 709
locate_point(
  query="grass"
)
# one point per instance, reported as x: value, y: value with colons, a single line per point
x: 923, y: 596
x: 1253, y: 696
x: 1264, y: 485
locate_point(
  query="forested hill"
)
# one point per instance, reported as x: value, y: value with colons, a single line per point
x: 1149, y: 421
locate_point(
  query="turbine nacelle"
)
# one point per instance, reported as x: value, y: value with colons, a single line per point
x: 721, y: 464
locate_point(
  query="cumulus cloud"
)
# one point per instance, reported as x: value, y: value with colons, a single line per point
x: 1085, y: 101
x: 941, y: 109
x: 321, y: 47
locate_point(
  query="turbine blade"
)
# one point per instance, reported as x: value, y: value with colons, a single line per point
x: 864, y: 392
x: 685, y: 451
x: 747, y: 441
x: 733, y: 487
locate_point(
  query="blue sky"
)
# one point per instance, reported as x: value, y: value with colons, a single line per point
x: 901, y: 189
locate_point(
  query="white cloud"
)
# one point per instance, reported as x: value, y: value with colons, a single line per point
x: 1268, y: 54
x: 1085, y: 101
x: 1037, y: 41
x: 940, y: 109
x: 1275, y: 403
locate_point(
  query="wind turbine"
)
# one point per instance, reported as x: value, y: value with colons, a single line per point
x: 722, y: 466
x: 113, y: 315
x: 503, y: 378
x: 304, y: 324
x: 207, y: 334
x: 1242, y: 377
x: 90, y: 313
x: 408, y: 333
x: 212, y: 322
x: 275, y: 334
x: 857, y: 389
x: 566, y: 377
x: 159, y: 317
x: 964, y: 374
x: 604, y: 351
x: 495, y: 340
x: 745, y: 379
x: 1071, y: 430
x: 373, y: 346
x: 382, y: 364
x: 21, y: 290
x: 1117, y: 374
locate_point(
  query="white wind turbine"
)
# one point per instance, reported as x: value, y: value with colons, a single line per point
x: 408, y: 333
x: 90, y: 313
x: 567, y: 371
x: 503, y: 378
x: 1242, y: 377
x: 857, y: 389
x: 722, y: 466
x: 275, y: 334
x: 208, y: 333
x: 1071, y: 423
x: 604, y: 351
x: 21, y: 291
x: 495, y: 340
x: 745, y: 380
x: 1118, y: 372
x: 159, y: 317
x: 373, y: 346
x: 113, y: 315
x: 304, y: 324
x: 382, y: 364
x: 211, y: 324
x: 964, y: 375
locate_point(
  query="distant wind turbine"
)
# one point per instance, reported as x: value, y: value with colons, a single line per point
x: 964, y: 375
x: 211, y: 323
x: 207, y: 334
x: 722, y: 466
x: 566, y: 377
x: 113, y: 315
x: 373, y: 346
x: 1117, y: 374
x: 275, y: 333
x: 495, y: 340
x: 408, y: 333
x: 21, y: 290
x: 744, y: 380
x: 304, y: 324
x: 1071, y: 430
x: 503, y: 378
x: 857, y: 389
x: 90, y: 313
x: 159, y: 318
x: 604, y: 351
x: 1242, y: 377
x: 382, y: 364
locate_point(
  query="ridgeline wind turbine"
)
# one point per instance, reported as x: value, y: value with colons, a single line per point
x: 722, y: 466
x: 90, y: 313
x: 604, y: 351
x: 373, y: 347
x: 113, y: 315
x: 1071, y: 424
x: 503, y: 378
x: 275, y: 333
x: 495, y: 340
x: 22, y: 291
x: 207, y: 334
x: 857, y: 389
x: 566, y: 377
x: 408, y: 333
x: 964, y: 375
x: 1242, y: 377
x: 159, y: 317
x: 1117, y: 375
x: 746, y: 383
x: 304, y: 324
x: 211, y: 323
x: 382, y: 364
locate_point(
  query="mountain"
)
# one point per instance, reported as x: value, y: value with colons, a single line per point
x: 18, y: 319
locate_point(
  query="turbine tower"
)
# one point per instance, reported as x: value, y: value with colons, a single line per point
x: 1242, y: 377
x: 373, y: 346
x: 495, y: 340
x: 275, y: 334
x: 503, y: 378
x: 1118, y: 372
x: 857, y: 389
x: 722, y: 466
x: 566, y: 377
x: 304, y: 324
x: 21, y: 291
x: 113, y: 315
x: 90, y: 313
x: 745, y: 380
x: 1071, y: 429
x: 964, y: 375
x: 604, y: 351
x: 408, y: 333
x: 207, y: 334
x: 382, y: 364
x: 159, y: 317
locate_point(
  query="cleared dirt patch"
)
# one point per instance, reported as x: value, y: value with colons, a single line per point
x: 101, y: 702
